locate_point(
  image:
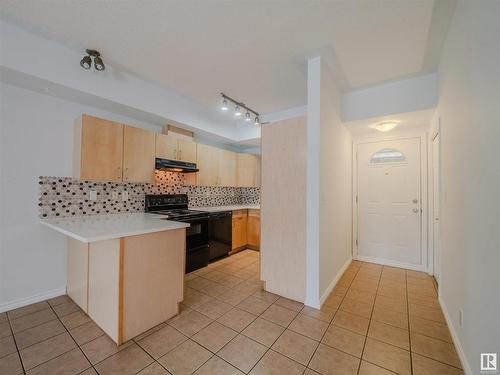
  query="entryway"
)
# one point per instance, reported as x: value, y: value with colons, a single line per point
x: 389, y: 206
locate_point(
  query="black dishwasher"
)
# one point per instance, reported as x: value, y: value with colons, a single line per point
x: 220, y: 233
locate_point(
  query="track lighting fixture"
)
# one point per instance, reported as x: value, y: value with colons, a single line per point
x: 224, y: 106
x: 238, y: 109
x: 86, y: 62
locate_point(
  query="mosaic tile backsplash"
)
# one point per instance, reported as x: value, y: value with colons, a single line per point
x: 66, y: 196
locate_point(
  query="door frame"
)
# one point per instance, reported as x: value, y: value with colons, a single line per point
x: 422, y: 134
x: 436, y: 132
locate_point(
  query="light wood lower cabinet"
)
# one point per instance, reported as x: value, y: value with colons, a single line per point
x: 239, y: 229
x: 246, y: 229
x: 128, y: 285
x: 253, y: 229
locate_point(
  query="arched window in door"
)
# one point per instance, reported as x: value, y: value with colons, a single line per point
x: 387, y: 155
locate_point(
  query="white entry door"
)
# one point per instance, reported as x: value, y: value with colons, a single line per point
x: 389, y: 202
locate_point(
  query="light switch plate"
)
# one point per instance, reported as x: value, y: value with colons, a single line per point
x: 125, y: 195
x: 114, y: 195
x: 93, y: 195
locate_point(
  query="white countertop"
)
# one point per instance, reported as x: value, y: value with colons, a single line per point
x: 227, y: 208
x: 106, y: 227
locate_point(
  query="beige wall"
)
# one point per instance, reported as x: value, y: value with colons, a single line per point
x: 469, y: 111
x: 283, y: 208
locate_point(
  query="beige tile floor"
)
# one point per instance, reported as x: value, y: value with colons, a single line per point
x: 377, y: 320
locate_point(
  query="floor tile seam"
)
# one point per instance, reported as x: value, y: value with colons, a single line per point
x: 69, y: 333
x: 369, y: 324
x: 334, y: 315
x: 408, y: 316
x: 15, y: 343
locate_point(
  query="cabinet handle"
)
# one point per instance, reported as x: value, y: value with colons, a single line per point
x: 180, y: 154
x: 175, y: 154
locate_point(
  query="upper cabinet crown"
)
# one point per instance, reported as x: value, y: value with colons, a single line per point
x: 172, y: 148
x: 110, y: 151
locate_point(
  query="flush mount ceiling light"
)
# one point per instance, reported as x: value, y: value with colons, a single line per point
x: 385, y: 126
x: 238, y: 109
x: 86, y: 62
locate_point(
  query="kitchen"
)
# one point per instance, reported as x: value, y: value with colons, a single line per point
x: 118, y: 170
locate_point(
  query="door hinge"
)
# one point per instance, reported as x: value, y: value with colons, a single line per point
x: 356, y: 199
x: 356, y: 242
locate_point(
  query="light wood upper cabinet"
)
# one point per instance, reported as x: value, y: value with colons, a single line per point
x: 208, y: 164
x: 187, y: 151
x: 227, y: 168
x: 248, y: 170
x: 98, y: 149
x: 166, y: 147
x: 138, y: 155
x: 172, y: 148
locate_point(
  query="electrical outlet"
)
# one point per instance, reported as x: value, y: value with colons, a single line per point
x: 125, y: 195
x: 460, y: 317
x: 114, y: 195
x: 93, y: 195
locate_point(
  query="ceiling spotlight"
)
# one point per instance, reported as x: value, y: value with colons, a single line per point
x: 237, y: 111
x: 385, y: 126
x: 224, y: 106
x: 86, y: 62
x: 248, y: 117
x: 257, y: 121
x: 98, y: 64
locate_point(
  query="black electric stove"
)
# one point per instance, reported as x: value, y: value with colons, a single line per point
x: 175, y: 207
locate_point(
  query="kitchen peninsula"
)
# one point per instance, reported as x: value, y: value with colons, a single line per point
x: 126, y: 271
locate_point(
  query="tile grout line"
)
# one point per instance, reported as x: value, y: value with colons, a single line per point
x: 408, y: 316
x: 15, y: 343
x: 334, y: 315
x: 370, y: 320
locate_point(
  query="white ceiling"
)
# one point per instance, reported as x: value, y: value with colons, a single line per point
x: 255, y: 51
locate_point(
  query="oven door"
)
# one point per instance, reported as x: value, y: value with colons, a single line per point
x: 197, y: 233
x: 197, y: 246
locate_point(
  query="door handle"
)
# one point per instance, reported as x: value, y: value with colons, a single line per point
x: 415, y: 210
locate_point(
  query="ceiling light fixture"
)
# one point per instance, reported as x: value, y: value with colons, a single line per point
x: 86, y: 61
x: 224, y: 106
x: 385, y: 126
x: 238, y: 109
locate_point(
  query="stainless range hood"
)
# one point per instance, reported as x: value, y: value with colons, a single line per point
x: 175, y: 166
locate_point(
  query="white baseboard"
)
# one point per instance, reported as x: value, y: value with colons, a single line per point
x: 458, y: 345
x: 386, y: 262
x: 334, y: 282
x: 7, y: 306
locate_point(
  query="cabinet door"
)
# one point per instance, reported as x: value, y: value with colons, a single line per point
x: 239, y: 230
x: 166, y: 147
x: 257, y: 171
x: 99, y: 148
x: 253, y: 228
x: 208, y: 164
x: 186, y: 151
x: 246, y: 170
x: 227, y: 168
x: 138, y: 155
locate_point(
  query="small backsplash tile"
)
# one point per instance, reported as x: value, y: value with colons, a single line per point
x: 66, y: 196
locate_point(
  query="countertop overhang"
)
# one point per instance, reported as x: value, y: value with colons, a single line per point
x: 227, y: 208
x: 94, y: 228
